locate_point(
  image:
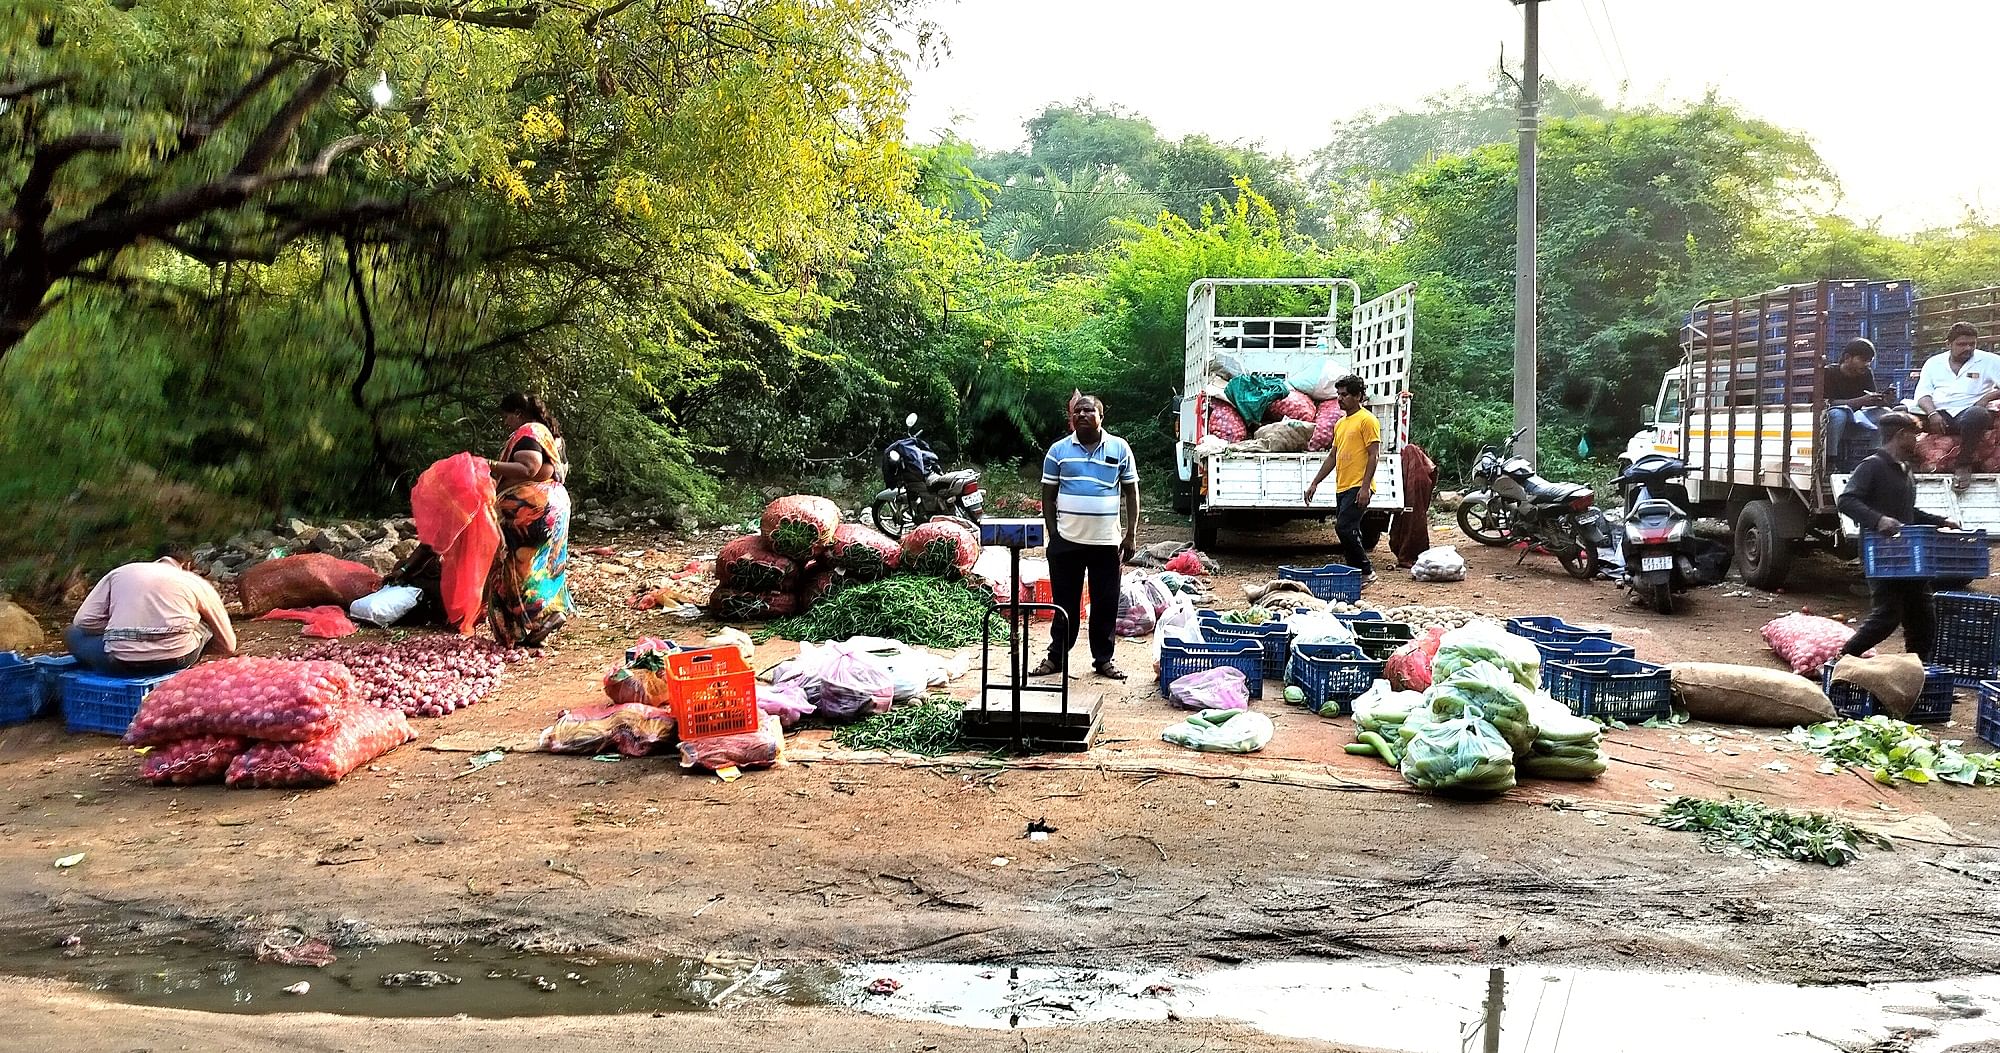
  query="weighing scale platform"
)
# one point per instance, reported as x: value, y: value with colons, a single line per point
x: 1011, y: 710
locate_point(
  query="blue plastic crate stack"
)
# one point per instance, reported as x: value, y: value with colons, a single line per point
x: 1988, y: 723
x: 1594, y: 675
x: 1880, y: 311
x: 1968, y: 636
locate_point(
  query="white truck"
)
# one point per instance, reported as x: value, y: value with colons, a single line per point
x: 1258, y: 490
x: 1745, y: 411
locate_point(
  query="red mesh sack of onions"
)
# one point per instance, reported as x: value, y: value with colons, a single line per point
x: 191, y: 761
x: 423, y: 676
x: 1324, y: 419
x: 1296, y: 405
x: 361, y: 734
x: 1224, y: 422
x: 257, y: 698
x: 751, y: 749
x: 748, y: 563
x: 795, y: 527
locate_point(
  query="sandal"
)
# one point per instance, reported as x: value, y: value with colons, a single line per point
x: 1110, y: 671
x: 1047, y: 668
x: 1961, y: 480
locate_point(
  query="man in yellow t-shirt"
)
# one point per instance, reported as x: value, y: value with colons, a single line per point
x: 1357, y: 448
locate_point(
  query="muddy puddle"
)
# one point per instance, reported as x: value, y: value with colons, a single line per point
x: 1385, y: 1006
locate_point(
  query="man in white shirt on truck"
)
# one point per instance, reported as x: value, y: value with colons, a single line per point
x: 1955, y: 394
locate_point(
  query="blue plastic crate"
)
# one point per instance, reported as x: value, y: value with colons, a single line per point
x: 1933, y: 705
x: 52, y: 667
x: 1331, y: 675
x: 1273, y: 637
x: 1892, y: 297
x: 1549, y: 629
x: 1380, y: 639
x: 1925, y: 552
x: 1988, y: 721
x: 1178, y: 658
x: 1331, y: 582
x: 1613, y: 689
x: 1353, y: 617
x: 1580, y: 652
x: 1895, y: 332
x: 1968, y: 636
x: 20, y: 690
x: 105, y: 704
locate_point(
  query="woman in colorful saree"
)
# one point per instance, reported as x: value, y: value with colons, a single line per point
x: 528, y: 593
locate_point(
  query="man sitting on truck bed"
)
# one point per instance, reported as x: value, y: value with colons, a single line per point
x: 1357, y: 448
x: 1881, y: 498
x: 1956, y: 391
x: 1849, y: 388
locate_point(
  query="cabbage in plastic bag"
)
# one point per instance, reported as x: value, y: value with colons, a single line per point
x: 1488, y: 641
x: 1464, y: 754
x: 1487, y: 688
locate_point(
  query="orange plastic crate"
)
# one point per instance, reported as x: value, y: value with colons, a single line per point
x: 712, y: 692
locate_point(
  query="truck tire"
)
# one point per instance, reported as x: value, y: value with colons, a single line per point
x: 1206, y: 525
x: 1184, y: 496
x: 1762, y: 553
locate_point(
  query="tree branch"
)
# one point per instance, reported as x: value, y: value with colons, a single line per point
x: 360, y: 287
x: 285, y: 123
x: 21, y: 89
x: 590, y: 24
x: 196, y: 132
x: 498, y: 18
x: 31, y: 202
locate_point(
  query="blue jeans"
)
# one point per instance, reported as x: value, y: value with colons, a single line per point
x: 88, y: 649
x: 1838, y: 420
x: 1347, y: 523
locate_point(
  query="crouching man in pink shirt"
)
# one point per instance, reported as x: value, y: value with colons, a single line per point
x: 144, y: 619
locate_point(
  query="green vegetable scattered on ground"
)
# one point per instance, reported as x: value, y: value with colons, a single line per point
x: 928, y: 612
x: 1762, y: 829
x: 1889, y: 749
x: 928, y: 727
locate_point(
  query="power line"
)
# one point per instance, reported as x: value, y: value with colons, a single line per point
x: 1098, y: 193
x: 1613, y: 30
x: 1591, y: 21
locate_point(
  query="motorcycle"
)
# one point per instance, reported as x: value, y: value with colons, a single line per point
x: 1661, y: 553
x: 914, y: 491
x: 1512, y: 503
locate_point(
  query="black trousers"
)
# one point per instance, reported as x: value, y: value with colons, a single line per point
x: 1348, y: 511
x: 1897, y: 601
x: 1069, y: 566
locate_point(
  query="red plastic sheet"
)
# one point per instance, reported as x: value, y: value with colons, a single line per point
x: 453, y: 506
x: 326, y: 623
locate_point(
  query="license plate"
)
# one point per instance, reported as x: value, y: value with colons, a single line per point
x: 972, y: 502
x: 1656, y: 563
x: 1590, y: 517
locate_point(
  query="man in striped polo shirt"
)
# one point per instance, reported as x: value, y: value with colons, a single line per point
x: 1088, y: 479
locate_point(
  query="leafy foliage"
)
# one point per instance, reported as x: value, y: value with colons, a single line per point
x: 1763, y: 830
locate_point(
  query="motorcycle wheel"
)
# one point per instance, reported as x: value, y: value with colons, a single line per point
x: 1579, y: 559
x: 1659, y: 597
x: 1484, y: 524
x: 892, y: 516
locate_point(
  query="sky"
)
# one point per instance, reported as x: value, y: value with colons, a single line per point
x: 1848, y: 74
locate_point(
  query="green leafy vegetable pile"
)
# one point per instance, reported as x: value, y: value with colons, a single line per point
x: 1765, y: 830
x: 1889, y: 749
x: 927, y: 727
x: 926, y: 611
x: 1247, y: 616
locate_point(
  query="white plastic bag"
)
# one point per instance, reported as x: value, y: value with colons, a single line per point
x: 1439, y: 564
x: 730, y: 636
x: 1318, y: 627
x: 1229, y: 364
x: 1462, y: 754
x: 386, y: 606
x: 854, y: 684
x: 1136, y: 613
x: 1222, y: 731
x: 1316, y: 380
x: 1178, y: 622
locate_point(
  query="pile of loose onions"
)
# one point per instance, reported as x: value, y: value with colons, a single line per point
x: 423, y: 676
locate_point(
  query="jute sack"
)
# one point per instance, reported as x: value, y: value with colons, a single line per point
x: 1742, y: 694
x: 1895, y: 680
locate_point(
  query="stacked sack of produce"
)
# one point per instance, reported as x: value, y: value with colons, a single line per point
x: 262, y: 722
x: 804, y: 553
x: 1566, y: 746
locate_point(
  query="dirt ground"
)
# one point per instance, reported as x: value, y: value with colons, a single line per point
x: 1161, y: 857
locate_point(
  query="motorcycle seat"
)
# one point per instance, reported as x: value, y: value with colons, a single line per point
x: 1543, y: 491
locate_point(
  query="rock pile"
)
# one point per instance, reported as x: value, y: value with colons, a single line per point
x: 378, y: 546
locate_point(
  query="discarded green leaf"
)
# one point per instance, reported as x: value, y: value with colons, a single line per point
x: 1765, y: 830
x: 1889, y: 749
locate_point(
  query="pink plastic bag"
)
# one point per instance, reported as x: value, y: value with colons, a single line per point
x: 1222, y: 687
x: 1807, y: 641
x: 1409, y: 669
x: 786, y: 701
x: 325, y: 623
x: 452, y: 503
x: 855, y: 684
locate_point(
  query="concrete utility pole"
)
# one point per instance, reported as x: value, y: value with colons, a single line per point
x: 1496, y: 979
x: 1524, y: 235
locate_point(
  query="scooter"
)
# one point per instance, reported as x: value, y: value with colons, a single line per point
x: 914, y: 491
x: 1662, y: 554
x: 1512, y: 504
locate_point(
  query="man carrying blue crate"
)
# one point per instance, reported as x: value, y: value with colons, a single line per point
x: 144, y: 619
x: 1357, y: 449
x: 1090, y: 508
x: 1881, y: 498
x: 1956, y: 391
